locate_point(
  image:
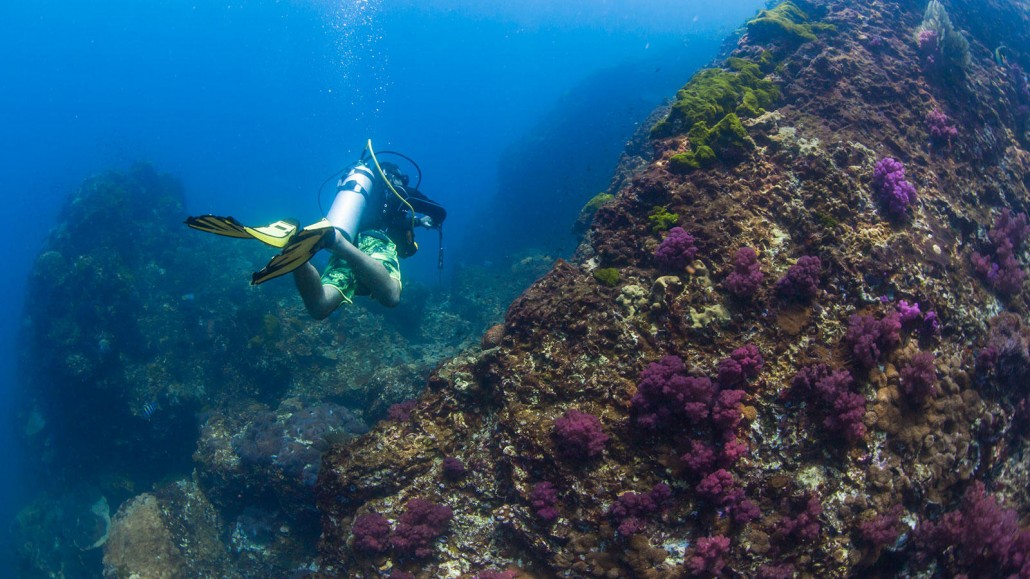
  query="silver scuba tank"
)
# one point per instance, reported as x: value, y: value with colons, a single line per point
x: 355, y: 192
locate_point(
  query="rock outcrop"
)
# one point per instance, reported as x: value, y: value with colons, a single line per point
x: 825, y: 420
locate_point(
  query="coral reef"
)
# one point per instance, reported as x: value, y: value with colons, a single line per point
x: 803, y: 431
x: 785, y: 21
x: 857, y: 418
x: 293, y: 444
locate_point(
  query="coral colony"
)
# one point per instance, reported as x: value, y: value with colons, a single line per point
x: 650, y: 407
x: 894, y: 192
x: 801, y: 282
x: 579, y: 435
x: 746, y: 275
x: 999, y: 266
x: 940, y: 127
x: 676, y: 250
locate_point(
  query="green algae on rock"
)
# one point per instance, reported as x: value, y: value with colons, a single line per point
x: 661, y: 219
x: 714, y: 93
x: 785, y: 22
x: 608, y: 276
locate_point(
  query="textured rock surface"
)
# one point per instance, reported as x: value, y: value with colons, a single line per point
x: 171, y: 533
x: 858, y: 92
x: 141, y: 544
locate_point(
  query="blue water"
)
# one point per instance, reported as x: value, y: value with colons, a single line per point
x: 253, y: 104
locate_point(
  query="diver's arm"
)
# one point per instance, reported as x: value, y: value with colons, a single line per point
x: 369, y: 272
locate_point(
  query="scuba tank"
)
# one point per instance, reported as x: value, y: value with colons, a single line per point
x: 355, y: 192
x: 374, y: 195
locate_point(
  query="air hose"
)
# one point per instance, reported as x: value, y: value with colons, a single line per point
x: 368, y: 147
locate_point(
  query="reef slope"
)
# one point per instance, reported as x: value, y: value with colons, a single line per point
x: 867, y: 418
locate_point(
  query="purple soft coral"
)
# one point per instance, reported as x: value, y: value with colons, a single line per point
x: 803, y: 525
x: 746, y: 276
x: 630, y: 510
x: 980, y: 536
x: 708, y: 556
x: 699, y: 459
x: 726, y: 411
x: 453, y: 469
x: 720, y: 489
x: 676, y: 250
x: 894, y: 192
x: 883, y: 530
x: 743, y: 363
x: 579, y: 435
x: 422, y: 522
x: 940, y: 127
x: 801, y: 282
x: 1007, y: 353
x: 919, y: 378
x: 829, y: 392
x: 666, y: 395
x: 371, y: 533
x: 401, y: 411
x: 908, y: 312
x: 544, y: 498
x: 1002, y: 270
x: 869, y: 338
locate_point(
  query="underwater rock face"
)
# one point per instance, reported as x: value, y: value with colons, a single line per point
x: 884, y: 394
x: 171, y: 533
x: 254, y: 457
x: 142, y: 545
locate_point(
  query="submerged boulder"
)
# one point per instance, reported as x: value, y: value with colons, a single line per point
x: 170, y: 533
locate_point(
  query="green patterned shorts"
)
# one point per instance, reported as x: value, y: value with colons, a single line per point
x: 374, y: 244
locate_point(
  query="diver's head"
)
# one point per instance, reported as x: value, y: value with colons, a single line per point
x: 395, y: 175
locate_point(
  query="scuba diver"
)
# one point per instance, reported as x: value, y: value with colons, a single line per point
x: 368, y: 227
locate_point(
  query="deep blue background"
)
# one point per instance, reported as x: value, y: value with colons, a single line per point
x: 253, y: 104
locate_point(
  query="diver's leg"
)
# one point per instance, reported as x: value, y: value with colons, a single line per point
x: 320, y: 300
x: 369, y: 272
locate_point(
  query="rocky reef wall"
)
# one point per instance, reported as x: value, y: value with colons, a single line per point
x: 793, y: 343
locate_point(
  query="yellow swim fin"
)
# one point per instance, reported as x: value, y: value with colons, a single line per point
x: 300, y: 249
x: 276, y: 234
x: 226, y: 226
